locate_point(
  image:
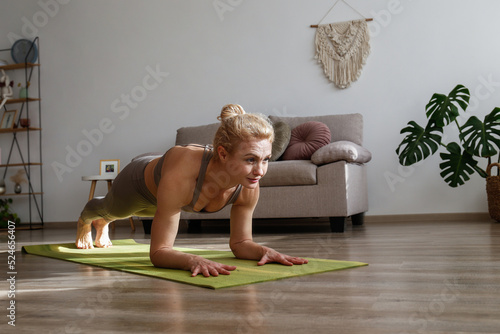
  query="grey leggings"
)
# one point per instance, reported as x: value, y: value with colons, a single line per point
x: 128, y: 196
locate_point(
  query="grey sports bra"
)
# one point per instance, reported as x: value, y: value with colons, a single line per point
x: 207, y: 155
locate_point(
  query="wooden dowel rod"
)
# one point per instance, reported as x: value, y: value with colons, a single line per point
x: 315, y: 25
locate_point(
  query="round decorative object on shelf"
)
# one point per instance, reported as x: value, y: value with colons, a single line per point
x: 24, y: 50
x: 2, y: 187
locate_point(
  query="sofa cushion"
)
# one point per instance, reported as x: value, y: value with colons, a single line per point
x: 282, y: 133
x: 341, y: 150
x: 289, y: 173
x: 305, y: 140
x: 203, y: 134
x: 342, y: 127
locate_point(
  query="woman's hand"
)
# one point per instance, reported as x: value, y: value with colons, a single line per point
x: 200, y: 265
x: 270, y: 256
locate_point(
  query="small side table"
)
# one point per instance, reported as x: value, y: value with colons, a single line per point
x: 109, y: 180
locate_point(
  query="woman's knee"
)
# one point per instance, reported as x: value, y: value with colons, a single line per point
x: 94, y: 209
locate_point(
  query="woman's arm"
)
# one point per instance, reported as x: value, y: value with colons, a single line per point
x: 162, y: 254
x: 241, y: 241
x: 173, y: 192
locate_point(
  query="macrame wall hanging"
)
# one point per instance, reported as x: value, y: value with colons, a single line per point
x: 342, y: 48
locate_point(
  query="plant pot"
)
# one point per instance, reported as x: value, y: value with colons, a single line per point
x: 493, y: 192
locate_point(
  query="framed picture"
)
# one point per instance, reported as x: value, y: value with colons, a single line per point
x: 8, y: 119
x: 110, y: 167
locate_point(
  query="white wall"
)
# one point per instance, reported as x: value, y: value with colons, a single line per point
x: 259, y: 54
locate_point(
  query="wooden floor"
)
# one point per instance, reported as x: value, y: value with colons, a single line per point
x: 429, y: 277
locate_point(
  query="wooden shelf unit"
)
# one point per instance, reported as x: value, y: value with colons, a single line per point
x: 33, y: 192
x: 19, y: 130
x: 20, y: 66
x: 22, y: 164
x: 19, y: 100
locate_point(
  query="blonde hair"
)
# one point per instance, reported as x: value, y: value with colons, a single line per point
x: 237, y: 126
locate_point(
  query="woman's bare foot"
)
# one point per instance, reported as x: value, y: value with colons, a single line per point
x: 84, y: 235
x: 102, y: 236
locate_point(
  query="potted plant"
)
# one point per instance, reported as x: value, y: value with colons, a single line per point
x: 6, y: 214
x: 477, y: 139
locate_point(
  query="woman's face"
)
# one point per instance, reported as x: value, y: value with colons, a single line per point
x: 248, y: 163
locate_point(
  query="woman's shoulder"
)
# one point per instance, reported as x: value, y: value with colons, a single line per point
x: 185, y: 151
x: 184, y: 158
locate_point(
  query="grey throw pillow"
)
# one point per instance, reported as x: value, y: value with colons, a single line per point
x: 341, y: 150
x: 282, y: 133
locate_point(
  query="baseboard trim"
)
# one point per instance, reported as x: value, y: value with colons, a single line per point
x: 422, y: 217
x: 429, y: 217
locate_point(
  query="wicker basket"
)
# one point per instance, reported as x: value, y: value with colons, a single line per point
x: 493, y: 192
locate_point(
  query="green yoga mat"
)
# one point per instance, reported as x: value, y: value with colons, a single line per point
x: 133, y: 257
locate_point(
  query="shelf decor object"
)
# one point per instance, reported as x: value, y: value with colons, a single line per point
x: 8, y: 119
x: 25, y: 122
x: 24, y: 51
x: 23, y: 90
x: 18, y: 179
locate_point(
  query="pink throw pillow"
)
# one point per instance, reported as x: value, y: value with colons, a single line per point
x: 306, y: 139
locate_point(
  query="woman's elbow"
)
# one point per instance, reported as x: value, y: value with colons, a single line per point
x: 237, y: 247
x: 155, y: 259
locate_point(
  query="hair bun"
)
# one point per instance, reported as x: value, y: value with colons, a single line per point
x: 229, y: 111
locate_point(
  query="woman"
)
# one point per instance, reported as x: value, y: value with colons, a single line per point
x: 193, y: 178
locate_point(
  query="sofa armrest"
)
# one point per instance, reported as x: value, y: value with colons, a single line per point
x: 341, y: 150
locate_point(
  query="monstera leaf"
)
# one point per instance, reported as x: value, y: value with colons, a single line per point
x: 419, y: 143
x: 480, y: 139
x: 443, y: 109
x: 456, y: 166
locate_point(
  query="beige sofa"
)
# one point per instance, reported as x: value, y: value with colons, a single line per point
x: 332, y: 184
